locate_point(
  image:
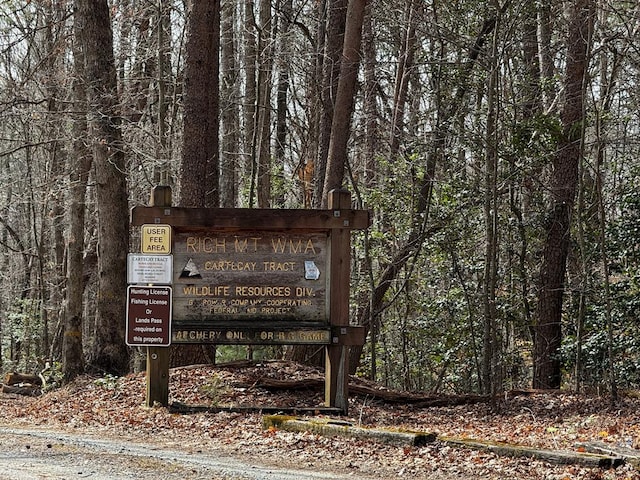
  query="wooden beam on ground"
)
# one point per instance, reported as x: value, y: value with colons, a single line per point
x: 558, y: 457
x: 630, y: 455
x: 338, y: 428
x: 184, y: 409
x: 332, y: 427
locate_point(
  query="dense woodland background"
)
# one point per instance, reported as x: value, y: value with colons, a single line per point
x: 495, y: 143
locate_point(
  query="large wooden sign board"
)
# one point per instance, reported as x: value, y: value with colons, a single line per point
x: 258, y: 276
x: 250, y: 275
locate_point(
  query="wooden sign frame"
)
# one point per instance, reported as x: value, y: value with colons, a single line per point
x: 279, y: 305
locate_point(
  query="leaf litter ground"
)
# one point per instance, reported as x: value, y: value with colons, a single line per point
x: 114, y: 407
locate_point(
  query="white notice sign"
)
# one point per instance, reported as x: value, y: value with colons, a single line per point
x: 149, y: 269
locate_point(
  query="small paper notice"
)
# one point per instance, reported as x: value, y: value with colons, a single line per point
x: 311, y: 271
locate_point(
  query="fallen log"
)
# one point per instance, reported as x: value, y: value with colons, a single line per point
x: 26, y: 390
x: 276, y: 384
x: 15, y: 378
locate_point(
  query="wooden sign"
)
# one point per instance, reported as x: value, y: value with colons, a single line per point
x: 250, y: 275
x: 257, y: 276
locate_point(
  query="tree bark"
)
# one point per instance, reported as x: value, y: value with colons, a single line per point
x: 199, y: 182
x: 229, y: 110
x: 564, y: 181
x: 333, y: 39
x: 403, y: 74
x: 250, y: 97
x: 200, y: 157
x: 72, y: 354
x: 282, y: 96
x: 109, y: 352
x: 263, y: 105
x: 162, y: 170
x: 490, y: 381
x: 345, y: 99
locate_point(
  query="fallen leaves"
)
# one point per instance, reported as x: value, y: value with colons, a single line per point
x: 553, y: 421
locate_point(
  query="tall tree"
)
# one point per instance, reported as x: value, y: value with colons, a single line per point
x: 564, y: 181
x: 199, y: 180
x: 286, y: 20
x: 331, y: 37
x: 163, y: 36
x: 109, y: 352
x: 262, y: 123
x: 229, y: 108
x: 78, y: 168
x: 250, y: 58
x: 403, y: 74
x: 490, y: 375
x: 345, y: 99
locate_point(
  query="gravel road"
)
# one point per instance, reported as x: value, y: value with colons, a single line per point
x: 31, y: 454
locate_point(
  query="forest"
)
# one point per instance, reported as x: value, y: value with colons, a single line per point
x: 493, y: 143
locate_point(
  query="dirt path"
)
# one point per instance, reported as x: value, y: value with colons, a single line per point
x: 29, y: 454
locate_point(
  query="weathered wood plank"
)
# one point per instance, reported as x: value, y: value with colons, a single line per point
x: 261, y: 334
x: 183, y: 218
x: 559, y: 457
x: 329, y: 427
x: 630, y: 455
x: 337, y: 355
x: 181, y: 408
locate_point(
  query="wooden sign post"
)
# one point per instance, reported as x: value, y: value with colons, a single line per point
x: 258, y: 277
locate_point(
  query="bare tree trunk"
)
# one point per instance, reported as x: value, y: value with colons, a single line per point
x: 490, y: 374
x: 250, y: 59
x: 229, y: 111
x: 547, y: 70
x: 336, y: 11
x: 78, y: 168
x: 263, y: 125
x: 608, y: 80
x: 199, y: 182
x: 163, y: 34
x: 370, y: 171
x: 345, y: 99
x: 52, y: 295
x: 370, y: 95
x: 532, y: 108
x: 403, y: 74
x: 109, y: 352
x: 548, y: 328
x: 282, y: 100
